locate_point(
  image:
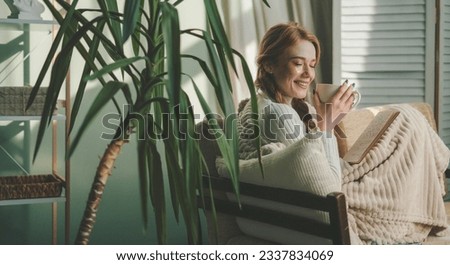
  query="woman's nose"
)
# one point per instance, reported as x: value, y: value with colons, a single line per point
x: 306, y: 70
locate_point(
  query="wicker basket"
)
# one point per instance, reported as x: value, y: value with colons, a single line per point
x: 26, y: 187
x: 13, y: 101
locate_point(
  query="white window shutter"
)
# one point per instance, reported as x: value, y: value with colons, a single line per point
x: 387, y: 49
x: 444, y: 73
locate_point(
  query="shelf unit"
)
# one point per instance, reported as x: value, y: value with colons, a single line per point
x: 25, y: 27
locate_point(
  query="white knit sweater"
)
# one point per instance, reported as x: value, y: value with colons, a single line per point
x: 280, y: 126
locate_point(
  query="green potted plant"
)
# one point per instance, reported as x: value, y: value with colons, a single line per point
x: 154, y: 89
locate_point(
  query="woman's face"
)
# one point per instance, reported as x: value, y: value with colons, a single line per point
x: 294, y: 70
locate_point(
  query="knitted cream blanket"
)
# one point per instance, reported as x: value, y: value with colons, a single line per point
x: 395, y: 193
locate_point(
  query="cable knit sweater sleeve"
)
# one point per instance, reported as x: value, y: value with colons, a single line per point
x: 280, y: 123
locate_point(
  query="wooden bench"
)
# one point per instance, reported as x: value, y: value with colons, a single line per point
x: 334, y: 204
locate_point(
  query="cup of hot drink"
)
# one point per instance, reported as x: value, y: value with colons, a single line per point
x: 326, y: 91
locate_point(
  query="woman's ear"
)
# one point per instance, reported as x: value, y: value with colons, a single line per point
x: 268, y: 68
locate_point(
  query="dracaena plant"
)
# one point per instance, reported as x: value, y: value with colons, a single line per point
x: 149, y: 82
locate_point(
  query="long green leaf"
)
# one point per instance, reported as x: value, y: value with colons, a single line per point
x: 219, y: 78
x: 191, y: 164
x: 205, y: 69
x: 93, y: 49
x: 157, y: 191
x: 218, y: 30
x: 58, y: 76
x: 114, y: 66
x: 136, y: 40
x: 131, y: 16
x: 231, y: 160
x: 108, y: 8
x: 222, y: 59
x: 142, y: 154
x: 105, y: 95
x: 64, y: 24
x: 223, y: 88
x: 254, y: 106
x: 171, y: 33
x: 226, y: 102
x: 172, y: 156
x: 150, y: 174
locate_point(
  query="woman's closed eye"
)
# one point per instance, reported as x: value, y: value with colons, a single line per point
x: 298, y: 64
x: 301, y: 63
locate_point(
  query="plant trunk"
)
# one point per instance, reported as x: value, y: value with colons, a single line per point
x: 98, y: 186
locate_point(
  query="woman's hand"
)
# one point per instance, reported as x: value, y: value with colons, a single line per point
x: 331, y: 113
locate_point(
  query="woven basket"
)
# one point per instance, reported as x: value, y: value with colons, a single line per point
x: 34, y: 186
x: 13, y: 101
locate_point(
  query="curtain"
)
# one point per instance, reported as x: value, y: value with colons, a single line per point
x: 246, y: 21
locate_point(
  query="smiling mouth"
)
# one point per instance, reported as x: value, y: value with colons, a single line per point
x: 301, y: 84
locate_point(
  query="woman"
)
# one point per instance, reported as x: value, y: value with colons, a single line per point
x: 286, y: 68
x: 389, y: 201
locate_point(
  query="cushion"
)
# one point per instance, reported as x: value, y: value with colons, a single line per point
x: 301, y: 166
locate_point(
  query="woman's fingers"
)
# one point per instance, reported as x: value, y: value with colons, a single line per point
x: 348, y: 92
x: 344, y: 95
x: 349, y: 96
x: 345, y: 91
x: 342, y: 89
x: 349, y: 102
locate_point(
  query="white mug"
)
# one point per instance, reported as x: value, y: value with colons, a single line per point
x: 326, y: 91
